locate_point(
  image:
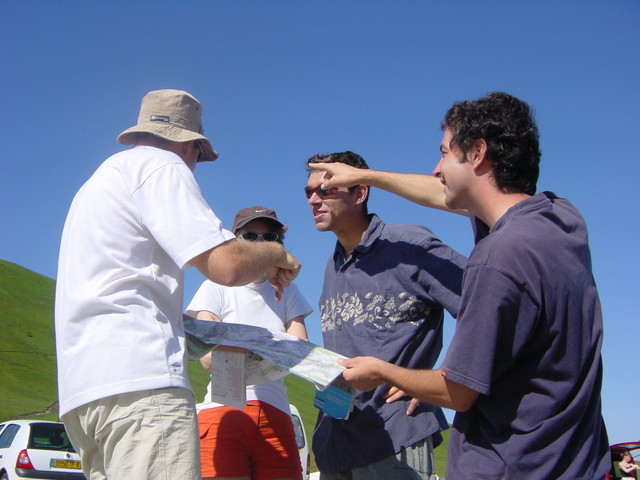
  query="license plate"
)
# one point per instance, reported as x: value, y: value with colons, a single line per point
x: 75, y: 464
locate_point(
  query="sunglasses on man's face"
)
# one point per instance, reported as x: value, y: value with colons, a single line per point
x: 321, y: 192
x: 257, y: 237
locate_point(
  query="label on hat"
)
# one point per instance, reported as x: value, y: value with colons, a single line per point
x: 160, y: 118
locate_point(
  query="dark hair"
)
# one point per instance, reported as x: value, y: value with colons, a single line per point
x: 275, y: 227
x: 348, y: 157
x: 507, y: 125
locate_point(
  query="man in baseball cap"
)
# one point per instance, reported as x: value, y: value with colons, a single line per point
x: 131, y: 231
x: 246, y: 215
x: 257, y: 441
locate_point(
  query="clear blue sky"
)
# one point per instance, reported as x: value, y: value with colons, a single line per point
x: 281, y: 80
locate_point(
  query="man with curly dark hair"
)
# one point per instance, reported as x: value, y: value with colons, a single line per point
x: 523, y: 370
x: 507, y: 126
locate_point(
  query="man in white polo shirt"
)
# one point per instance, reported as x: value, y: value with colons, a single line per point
x: 132, y: 229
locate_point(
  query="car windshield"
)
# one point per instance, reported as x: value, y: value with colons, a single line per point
x: 49, y: 436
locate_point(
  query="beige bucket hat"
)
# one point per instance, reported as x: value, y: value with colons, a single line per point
x: 174, y: 115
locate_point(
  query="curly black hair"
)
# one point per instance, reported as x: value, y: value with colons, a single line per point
x: 348, y: 157
x: 507, y: 125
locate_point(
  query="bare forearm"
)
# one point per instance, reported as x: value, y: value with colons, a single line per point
x: 238, y: 262
x: 424, y: 190
x: 430, y: 386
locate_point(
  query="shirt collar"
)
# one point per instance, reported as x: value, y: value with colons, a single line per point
x: 370, y: 236
x: 481, y: 230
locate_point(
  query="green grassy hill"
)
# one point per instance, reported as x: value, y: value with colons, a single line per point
x: 28, y: 361
x: 27, y: 347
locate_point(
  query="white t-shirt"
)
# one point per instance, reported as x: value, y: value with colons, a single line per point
x: 131, y: 230
x: 253, y: 304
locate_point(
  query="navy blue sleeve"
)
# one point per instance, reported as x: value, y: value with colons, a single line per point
x: 439, y: 273
x: 497, y: 317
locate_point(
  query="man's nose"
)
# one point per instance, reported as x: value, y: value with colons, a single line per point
x: 436, y: 171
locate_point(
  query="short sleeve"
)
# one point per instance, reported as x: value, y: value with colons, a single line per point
x: 174, y: 211
x: 497, y: 318
x: 440, y: 274
x: 209, y: 297
x: 296, y: 305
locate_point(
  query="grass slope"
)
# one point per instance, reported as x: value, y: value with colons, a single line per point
x: 27, y: 347
x: 28, y: 361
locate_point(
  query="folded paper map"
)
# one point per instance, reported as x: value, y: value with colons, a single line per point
x: 279, y: 353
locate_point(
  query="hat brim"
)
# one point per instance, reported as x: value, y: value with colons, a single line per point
x: 241, y: 224
x: 171, y: 133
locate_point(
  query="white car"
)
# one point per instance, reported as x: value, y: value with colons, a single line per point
x: 301, y: 440
x: 38, y: 450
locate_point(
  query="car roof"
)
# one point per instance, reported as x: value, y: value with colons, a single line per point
x: 621, y: 447
x: 28, y: 422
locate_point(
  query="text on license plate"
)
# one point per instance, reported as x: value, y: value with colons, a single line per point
x: 66, y: 464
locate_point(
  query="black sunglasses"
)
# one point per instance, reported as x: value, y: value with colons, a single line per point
x: 321, y: 192
x: 255, y: 237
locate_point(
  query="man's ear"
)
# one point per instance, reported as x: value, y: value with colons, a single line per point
x: 361, y: 191
x: 478, y: 154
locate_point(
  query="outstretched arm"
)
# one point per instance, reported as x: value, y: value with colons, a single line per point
x: 366, y: 373
x: 238, y: 262
x: 425, y: 190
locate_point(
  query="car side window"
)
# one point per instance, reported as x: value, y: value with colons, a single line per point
x: 297, y: 428
x: 8, y: 434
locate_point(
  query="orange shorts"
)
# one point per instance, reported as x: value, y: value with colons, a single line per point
x: 257, y: 441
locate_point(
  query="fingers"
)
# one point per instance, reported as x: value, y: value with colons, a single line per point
x: 329, y: 171
x: 345, y: 362
x: 287, y: 276
x: 277, y: 285
x: 322, y: 167
x: 288, y: 270
x: 394, y: 394
x: 413, y: 404
x: 281, y: 275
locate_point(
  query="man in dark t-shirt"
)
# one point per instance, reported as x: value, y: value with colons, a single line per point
x: 523, y: 369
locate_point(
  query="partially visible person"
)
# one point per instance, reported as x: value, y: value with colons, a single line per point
x: 524, y: 369
x: 628, y: 467
x: 384, y: 294
x: 258, y: 442
x: 133, y: 227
